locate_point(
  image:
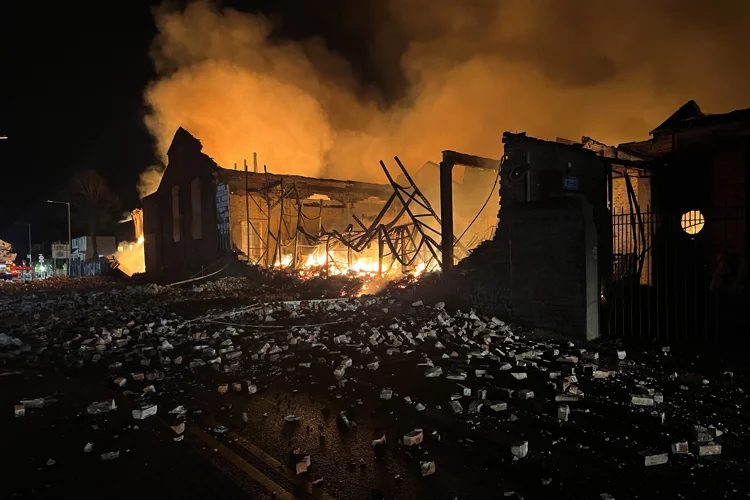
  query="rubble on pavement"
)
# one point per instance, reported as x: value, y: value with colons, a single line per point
x: 482, y: 374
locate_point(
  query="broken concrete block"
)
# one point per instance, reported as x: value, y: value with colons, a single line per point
x: 179, y: 428
x: 706, y: 449
x: 459, y: 375
x: 498, y: 406
x: 373, y: 366
x: 413, y: 438
x: 563, y: 412
x: 112, y: 455
x: 591, y: 356
x: 520, y: 450
x: 386, y: 394
x: 345, y: 420
x: 621, y: 355
x: 456, y: 406
x: 654, y: 459
x: 680, y: 448
x: 149, y: 389
x: 475, y: 406
x: 291, y: 419
x: 223, y: 388
x: 101, y: 407
x: 466, y: 391
x: 236, y: 386
x: 645, y: 391
x: 251, y: 388
x: 379, y: 442
x: 88, y: 447
x: 642, y: 401
x: 19, y: 411
x: 519, y: 376
x: 302, y: 464
x: 428, y: 468
x: 525, y: 394
x: 658, y: 398
x: 568, y: 398
x: 599, y: 374
x: 144, y: 412
x: 433, y: 371
x: 120, y: 381
x: 704, y: 435
x: 482, y: 394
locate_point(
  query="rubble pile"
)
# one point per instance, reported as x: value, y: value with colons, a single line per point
x: 539, y: 401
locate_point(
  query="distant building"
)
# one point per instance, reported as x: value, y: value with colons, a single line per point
x: 83, y: 247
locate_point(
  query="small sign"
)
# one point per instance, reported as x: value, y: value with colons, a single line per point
x: 41, y: 258
x: 570, y: 182
x: 59, y: 251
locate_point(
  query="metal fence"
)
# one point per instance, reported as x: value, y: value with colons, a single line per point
x: 93, y: 267
x: 677, y: 277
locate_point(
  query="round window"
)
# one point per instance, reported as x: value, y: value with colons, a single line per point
x: 692, y: 221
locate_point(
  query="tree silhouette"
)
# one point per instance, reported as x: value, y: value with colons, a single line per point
x: 95, y: 205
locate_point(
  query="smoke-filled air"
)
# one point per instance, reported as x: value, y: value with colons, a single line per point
x: 430, y: 75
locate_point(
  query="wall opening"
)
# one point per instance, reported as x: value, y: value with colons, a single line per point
x: 176, y: 214
x: 692, y: 222
x: 196, y: 221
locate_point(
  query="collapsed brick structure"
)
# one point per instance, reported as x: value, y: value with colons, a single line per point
x: 541, y: 267
x: 201, y: 211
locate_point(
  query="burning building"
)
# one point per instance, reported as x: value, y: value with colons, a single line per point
x: 200, y: 211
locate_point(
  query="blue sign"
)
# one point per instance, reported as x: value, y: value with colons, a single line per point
x: 570, y: 182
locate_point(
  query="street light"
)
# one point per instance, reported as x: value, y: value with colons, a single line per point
x: 70, y: 242
x: 3, y: 137
x: 31, y: 259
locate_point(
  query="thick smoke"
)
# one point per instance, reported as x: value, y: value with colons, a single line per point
x: 440, y: 75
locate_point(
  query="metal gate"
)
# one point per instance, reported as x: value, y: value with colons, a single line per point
x: 677, y: 277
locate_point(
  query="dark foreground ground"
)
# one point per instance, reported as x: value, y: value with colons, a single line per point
x: 314, y: 360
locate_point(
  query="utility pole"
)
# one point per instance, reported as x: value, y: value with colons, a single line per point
x: 30, y: 254
x: 70, y: 242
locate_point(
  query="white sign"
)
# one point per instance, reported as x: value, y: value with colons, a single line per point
x: 59, y: 251
x: 41, y: 258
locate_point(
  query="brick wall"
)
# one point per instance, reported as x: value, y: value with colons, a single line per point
x: 541, y: 267
x: 535, y: 269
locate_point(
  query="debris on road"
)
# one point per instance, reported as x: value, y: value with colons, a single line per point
x: 101, y: 407
x: 352, y: 355
x: 521, y: 450
x: 427, y: 468
x: 144, y: 412
x: 413, y: 438
x: 655, y: 459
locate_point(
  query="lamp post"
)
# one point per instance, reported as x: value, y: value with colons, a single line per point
x: 30, y: 254
x: 70, y: 242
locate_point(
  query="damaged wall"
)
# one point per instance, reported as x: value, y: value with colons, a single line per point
x: 179, y: 219
x: 541, y: 267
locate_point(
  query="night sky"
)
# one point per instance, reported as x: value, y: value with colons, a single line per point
x: 71, y: 98
x: 73, y: 78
